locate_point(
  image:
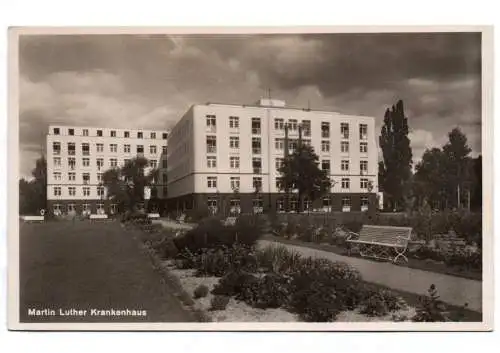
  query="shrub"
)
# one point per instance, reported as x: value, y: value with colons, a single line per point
x: 219, y: 302
x: 431, y: 309
x: 231, y: 284
x: 248, y: 229
x: 269, y: 291
x: 217, y: 262
x: 316, y: 302
x: 381, y: 302
x: 197, y: 214
x: 201, y: 291
x: 166, y: 248
x: 278, y: 259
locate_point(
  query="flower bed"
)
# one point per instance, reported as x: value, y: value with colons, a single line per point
x: 232, y: 279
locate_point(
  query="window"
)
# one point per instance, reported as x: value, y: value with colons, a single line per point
x: 234, y: 162
x: 140, y: 149
x: 257, y: 183
x: 152, y: 135
x: 57, y: 175
x: 71, y: 208
x: 85, y: 207
x: 164, y: 136
x: 85, y: 149
x: 57, y: 191
x: 234, y: 205
x: 100, y: 191
x: 71, y: 148
x: 86, y: 178
x: 126, y: 134
x: 279, y: 163
x: 292, y: 145
x: 363, y: 184
x: 211, y: 144
x: 363, y: 166
x: 256, y: 148
x: 86, y: 191
x: 279, y: 183
x: 113, y: 208
x: 292, y: 124
x: 57, y: 161
x: 71, y: 162
x: 325, y: 130
x: 126, y: 148
x: 364, y: 203
x: 100, y: 163
x: 99, y: 177
x: 344, y: 130
x: 112, y: 133
x: 235, y: 183
x: 346, y: 204
x: 256, y: 126
x: 344, y: 146
x: 56, y: 131
x: 363, y: 147
x: 257, y: 165
x: 363, y: 131
x: 326, y: 202
x: 153, y: 163
x: 71, y: 191
x: 325, y: 165
x: 212, y: 204
x: 279, y: 144
x: 113, y: 162
x: 164, y: 149
x: 57, y: 209
x: 139, y: 135
x: 280, y: 205
x: 126, y: 161
x: 100, y: 208
x: 86, y: 162
x: 85, y: 132
x: 56, y: 147
x: 211, y: 162
x: 346, y: 183
x: 99, y: 147
x: 306, y: 127
x: 71, y: 132
x: 99, y: 132
x: 234, y: 122
x: 257, y: 205
x: 325, y: 146
x: 344, y: 165
x: 211, y: 123
x: 212, y: 182
x: 279, y: 124
x: 71, y: 176
x: 164, y: 163
x: 152, y: 149
x: 113, y: 148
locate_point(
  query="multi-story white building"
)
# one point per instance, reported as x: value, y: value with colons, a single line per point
x: 77, y: 157
x: 220, y: 153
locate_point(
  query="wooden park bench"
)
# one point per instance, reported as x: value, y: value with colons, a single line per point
x: 98, y: 217
x: 381, y: 242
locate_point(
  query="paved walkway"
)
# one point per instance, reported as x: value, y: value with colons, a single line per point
x: 453, y: 290
x: 86, y: 266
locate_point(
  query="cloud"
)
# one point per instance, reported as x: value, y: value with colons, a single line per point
x: 150, y: 80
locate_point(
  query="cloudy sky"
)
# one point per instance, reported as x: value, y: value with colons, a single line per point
x: 149, y: 81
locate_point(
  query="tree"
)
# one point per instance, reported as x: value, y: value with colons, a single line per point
x: 458, y: 168
x: 397, y: 156
x: 126, y: 185
x: 33, y: 193
x: 300, y: 171
x: 430, y: 178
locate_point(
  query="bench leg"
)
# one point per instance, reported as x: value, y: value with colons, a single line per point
x: 400, y: 253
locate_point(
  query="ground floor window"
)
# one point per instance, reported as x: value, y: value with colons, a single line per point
x: 364, y: 203
x: 280, y: 205
x: 71, y: 208
x: 113, y: 208
x: 212, y: 205
x: 307, y: 205
x: 326, y: 204
x: 346, y: 204
x: 86, y: 209
x: 234, y: 206
x: 57, y: 209
x: 100, y: 208
x: 258, y: 205
x: 294, y: 204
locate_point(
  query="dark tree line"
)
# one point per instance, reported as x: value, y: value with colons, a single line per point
x: 33, y: 193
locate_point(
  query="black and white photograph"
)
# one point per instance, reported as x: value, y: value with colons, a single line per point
x: 245, y: 179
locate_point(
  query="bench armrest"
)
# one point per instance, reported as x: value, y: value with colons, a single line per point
x: 352, y: 235
x: 403, y: 241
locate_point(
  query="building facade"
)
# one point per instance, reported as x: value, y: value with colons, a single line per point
x: 77, y: 157
x: 226, y: 157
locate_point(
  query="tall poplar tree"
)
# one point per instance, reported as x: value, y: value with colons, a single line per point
x: 397, y: 156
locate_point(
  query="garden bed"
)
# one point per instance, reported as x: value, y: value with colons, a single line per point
x: 230, y: 279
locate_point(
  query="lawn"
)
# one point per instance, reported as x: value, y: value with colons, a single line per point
x: 85, y: 266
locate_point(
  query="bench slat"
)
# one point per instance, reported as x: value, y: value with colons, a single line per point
x: 380, y: 235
